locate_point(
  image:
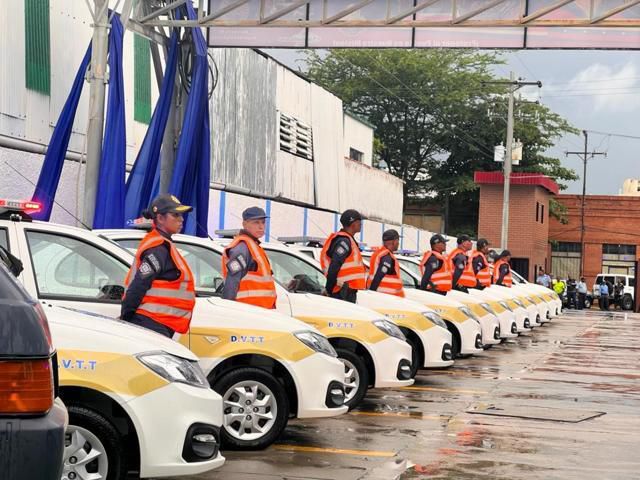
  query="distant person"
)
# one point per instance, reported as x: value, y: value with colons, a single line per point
x: 604, y: 296
x: 559, y: 287
x: 572, y: 290
x: 543, y: 279
x: 617, y: 295
x: 582, y: 293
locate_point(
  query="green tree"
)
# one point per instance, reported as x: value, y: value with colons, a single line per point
x: 430, y: 109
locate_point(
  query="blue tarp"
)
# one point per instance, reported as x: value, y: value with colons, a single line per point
x: 144, y: 177
x: 45, y: 191
x: 110, y: 195
x: 191, y: 174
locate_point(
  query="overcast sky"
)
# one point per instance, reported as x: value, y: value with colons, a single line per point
x: 593, y: 90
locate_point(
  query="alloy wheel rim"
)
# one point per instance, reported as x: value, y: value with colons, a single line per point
x: 351, y: 380
x: 250, y: 410
x: 85, y: 457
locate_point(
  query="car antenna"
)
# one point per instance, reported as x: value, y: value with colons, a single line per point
x: 50, y: 198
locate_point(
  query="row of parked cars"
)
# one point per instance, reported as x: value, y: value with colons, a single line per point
x: 139, y: 403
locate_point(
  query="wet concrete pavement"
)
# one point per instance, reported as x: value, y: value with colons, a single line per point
x: 581, y: 365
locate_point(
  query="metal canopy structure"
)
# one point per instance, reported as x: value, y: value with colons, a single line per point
x: 518, y: 24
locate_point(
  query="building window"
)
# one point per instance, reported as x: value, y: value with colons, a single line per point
x: 613, y: 249
x: 37, y: 55
x: 356, y: 155
x: 618, y: 258
x: 565, y: 259
x: 537, y: 211
x: 541, y: 213
x: 296, y: 137
x: 566, y: 247
x: 141, y: 79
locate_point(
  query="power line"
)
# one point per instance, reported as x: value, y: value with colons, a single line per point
x: 621, y: 135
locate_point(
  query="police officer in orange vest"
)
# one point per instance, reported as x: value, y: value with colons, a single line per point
x: 384, y: 269
x: 160, y: 292
x: 480, y: 264
x: 436, y: 274
x: 245, y: 266
x: 502, y: 270
x: 341, y: 260
x: 463, y: 276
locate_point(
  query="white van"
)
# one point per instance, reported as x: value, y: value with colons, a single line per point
x: 628, y: 291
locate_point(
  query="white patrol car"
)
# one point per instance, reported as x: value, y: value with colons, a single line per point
x: 137, y: 401
x: 373, y: 349
x: 281, y: 366
x: 540, y: 294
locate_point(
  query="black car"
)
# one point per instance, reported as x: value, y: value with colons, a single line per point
x: 32, y: 417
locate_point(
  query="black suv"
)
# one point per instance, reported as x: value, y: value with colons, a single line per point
x: 32, y: 417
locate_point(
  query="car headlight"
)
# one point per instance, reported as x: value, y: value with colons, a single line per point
x: 435, y: 318
x: 467, y: 311
x: 390, y: 329
x: 505, y: 305
x: 488, y: 308
x: 530, y: 300
x: 316, y: 342
x: 519, y: 302
x: 175, y: 369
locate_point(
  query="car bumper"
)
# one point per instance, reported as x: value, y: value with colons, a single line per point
x: 313, y: 377
x: 490, y: 326
x: 523, y: 322
x: 543, y: 308
x: 34, y: 446
x: 534, y: 315
x: 470, y: 331
x: 387, y: 355
x: 508, y: 324
x: 163, y: 418
x: 435, y: 340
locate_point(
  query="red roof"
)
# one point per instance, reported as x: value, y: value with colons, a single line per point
x: 536, y: 179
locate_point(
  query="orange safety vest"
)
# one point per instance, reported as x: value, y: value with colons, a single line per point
x: 256, y: 288
x: 507, y: 281
x: 352, y: 271
x: 468, y: 277
x: 484, y: 275
x: 442, y: 277
x: 169, y: 302
x: 391, y: 283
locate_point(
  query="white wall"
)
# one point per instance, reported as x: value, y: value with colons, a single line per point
x: 358, y: 135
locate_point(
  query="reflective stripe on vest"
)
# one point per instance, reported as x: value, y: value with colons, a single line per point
x: 441, y: 277
x: 391, y: 283
x: 169, y: 302
x: 484, y: 275
x: 507, y: 281
x: 468, y: 278
x: 256, y: 288
x: 352, y: 271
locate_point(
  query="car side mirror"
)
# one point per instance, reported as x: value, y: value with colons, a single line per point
x: 218, y: 283
x: 111, y: 292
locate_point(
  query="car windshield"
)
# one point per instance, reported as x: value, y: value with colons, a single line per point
x: 206, y: 265
x: 295, y: 274
x: 411, y: 266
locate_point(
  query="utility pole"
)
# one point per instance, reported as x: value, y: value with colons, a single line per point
x: 514, y: 85
x: 584, y: 156
x: 97, y: 81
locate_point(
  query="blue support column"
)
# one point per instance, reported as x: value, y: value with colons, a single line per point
x: 305, y: 222
x: 222, y: 209
x: 267, y: 233
x: 335, y: 222
x: 402, y: 237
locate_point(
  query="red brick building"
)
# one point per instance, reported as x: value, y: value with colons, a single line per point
x: 612, y: 236
x: 528, y: 217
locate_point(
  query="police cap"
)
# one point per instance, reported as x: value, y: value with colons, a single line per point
x: 390, y: 234
x: 167, y: 203
x: 350, y: 216
x: 254, y: 213
x: 463, y: 238
x: 482, y: 242
x: 436, y: 239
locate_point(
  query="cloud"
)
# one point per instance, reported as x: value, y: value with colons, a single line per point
x: 602, y: 87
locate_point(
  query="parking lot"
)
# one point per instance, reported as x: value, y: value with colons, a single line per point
x: 575, y: 379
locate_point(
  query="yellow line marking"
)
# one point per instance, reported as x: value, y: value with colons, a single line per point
x: 446, y: 390
x: 340, y: 451
x: 417, y: 416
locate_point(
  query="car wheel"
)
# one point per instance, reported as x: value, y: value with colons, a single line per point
x: 356, y: 377
x: 627, y: 302
x: 587, y: 303
x: 455, y: 340
x: 92, y: 447
x: 255, y: 408
x: 417, y: 360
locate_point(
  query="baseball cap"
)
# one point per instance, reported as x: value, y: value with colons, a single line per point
x: 350, y: 216
x: 167, y: 203
x: 463, y: 238
x: 390, y: 234
x: 437, y: 238
x: 482, y: 242
x: 505, y: 253
x: 254, y: 213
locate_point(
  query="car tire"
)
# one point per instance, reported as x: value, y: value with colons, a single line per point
x: 417, y: 360
x: 89, y: 430
x: 456, y: 344
x: 587, y: 303
x: 249, y: 384
x: 356, y: 375
x: 627, y: 302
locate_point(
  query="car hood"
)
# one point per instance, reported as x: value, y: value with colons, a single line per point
x: 76, y: 329
x: 382, y: 301
x: 230, y: 314
x: 307, y: 305
x: 431, y: 299
x: 463, y: 297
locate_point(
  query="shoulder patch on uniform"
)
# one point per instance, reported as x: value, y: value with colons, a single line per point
x: 234, y: 266
x: 145, y: 269
x: 340, y: 250
x: 385, y: 268
x: 434, y: 262
x: 153, y: 260
x: 460, y: 265
x: 242, y: 261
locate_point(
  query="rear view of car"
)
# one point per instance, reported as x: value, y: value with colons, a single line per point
x: 32, y: 419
